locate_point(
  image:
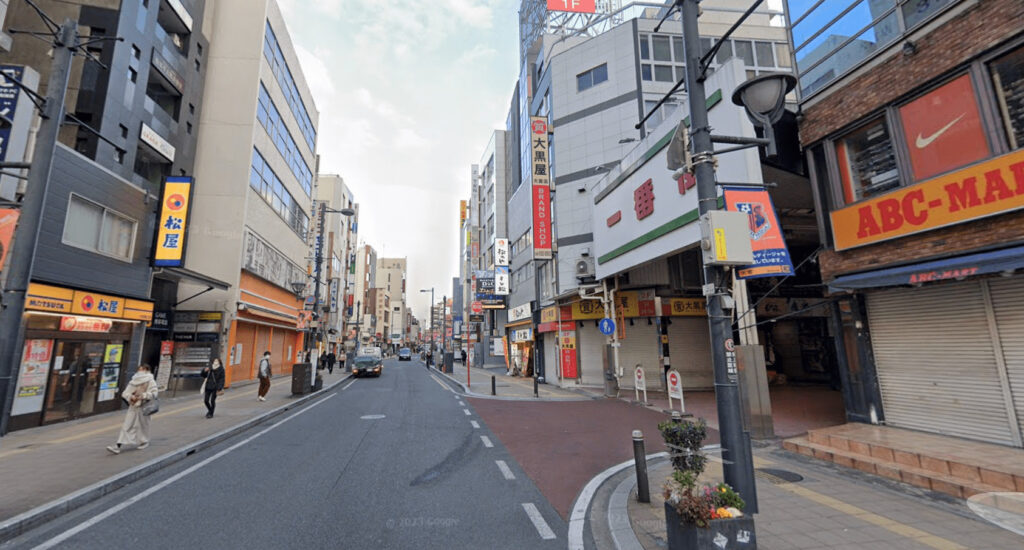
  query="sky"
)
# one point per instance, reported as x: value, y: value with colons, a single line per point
x: 408, y: 94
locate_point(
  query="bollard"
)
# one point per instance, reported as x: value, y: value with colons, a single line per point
x: 535, y: 394
x: 677, y: 416
x: 643, y: 491
x: 493, y: 391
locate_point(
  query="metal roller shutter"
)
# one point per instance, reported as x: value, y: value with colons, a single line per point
x: 689, y: 348
x: 551, y: 374
x: 1008, y: 303
x: 936, y: 361
x: 590, y: 344
x: 640, y: 347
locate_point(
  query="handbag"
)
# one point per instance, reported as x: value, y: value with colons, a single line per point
x: 202, y: 389
x: 151, y: 406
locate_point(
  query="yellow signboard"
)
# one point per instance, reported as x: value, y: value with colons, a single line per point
x: 48, y: 298
x: 169, y: 248
x: 587, y: 309
x: 138, y: 310
x: 684, y: 307
x: 463, y: 205
x: 98, y: 305
x: 549, y: 314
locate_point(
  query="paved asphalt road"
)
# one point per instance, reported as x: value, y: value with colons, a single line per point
x: 417, y: 474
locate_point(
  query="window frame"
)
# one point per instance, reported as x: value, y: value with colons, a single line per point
x: 105, y: 211
x: 589, y: 74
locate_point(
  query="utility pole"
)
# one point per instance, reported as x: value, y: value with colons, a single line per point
x: 737, y: 462
x: 22, y: 256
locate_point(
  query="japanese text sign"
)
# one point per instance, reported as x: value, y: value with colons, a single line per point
x: 172, y: 225
x: 985, y: 189
x: 541, y: 222
x: 501, y: 252
x: 575, y: 6
x: 771, y: 257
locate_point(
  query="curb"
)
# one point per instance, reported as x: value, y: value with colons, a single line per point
x: 470, y: 393
x: 44, y: 513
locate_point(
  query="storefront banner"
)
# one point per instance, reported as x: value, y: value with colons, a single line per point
x: 771, y: 257
x: 567, y: 343
x: 587, y: 309
x: 172, y: 231
x: 8, y: 221
x: 574, y: 6
x: 502, y: 280
x: 544, y: 328
x: 49, y: 298
x: 522, y: 335
x: 985, y: 189
x: 501, y: 252
x: 684, y: 307
x: 541, y: 222
x: 35, y: 368
x: 85, y: 324
x: 519, y: 313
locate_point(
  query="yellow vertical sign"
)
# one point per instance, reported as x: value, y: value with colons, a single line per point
x: 169, y: 248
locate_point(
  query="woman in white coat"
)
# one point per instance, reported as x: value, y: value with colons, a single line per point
x: 135, y: 430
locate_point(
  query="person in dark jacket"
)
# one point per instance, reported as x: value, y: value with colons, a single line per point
x: 331, y: 359
x: 214, y: 375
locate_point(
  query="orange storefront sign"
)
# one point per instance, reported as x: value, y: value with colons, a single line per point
x: 985, y: 189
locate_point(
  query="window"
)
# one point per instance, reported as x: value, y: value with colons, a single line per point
x: 265, y: 182
x: 1008, y: 81
x: 272, y: 52
x: 677, y: 49
x: 645, y: 49
x: 764, y: 54
x: 136, y: 52
x: 92, y: 227
x: 124, y: 131
x: 663, y: 73
x: 592, y: 78
x: 151, y: 166
x: 724, y: 52
x: 645, y: 72
x: 867, y: 162
x: 943, y: 129
x: 745, y: 51
x: 133, y: 75
x: 662, y: 48
x: 270, y: 118
x: 162, y: 93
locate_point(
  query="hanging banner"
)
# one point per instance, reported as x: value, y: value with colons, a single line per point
x: 462, y: 211
x: 169, y: 246
x: 501, y: 252
x: 541, y: 188
x: 567, y: 339
x: 771, y: 257
x: 8, y: 221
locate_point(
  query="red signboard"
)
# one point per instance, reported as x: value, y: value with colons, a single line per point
x: 85, y: 324
x: 567, y: 340
x: 477, y: 307
x: 574, y: 6
x: 541, y: 222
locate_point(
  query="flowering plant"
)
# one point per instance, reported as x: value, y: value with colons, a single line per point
x: 695, y: 505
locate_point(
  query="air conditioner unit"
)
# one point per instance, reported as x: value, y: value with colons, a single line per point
x: 585, y: 268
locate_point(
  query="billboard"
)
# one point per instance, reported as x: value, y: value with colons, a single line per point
x: 541, y: 195
x: 771, y: 256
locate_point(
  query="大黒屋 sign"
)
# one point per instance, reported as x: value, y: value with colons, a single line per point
x: 541, y: 192
x: 771, y: 257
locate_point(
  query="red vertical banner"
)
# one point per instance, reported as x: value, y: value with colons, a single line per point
x: 568, y: 345
x: 541, y: 222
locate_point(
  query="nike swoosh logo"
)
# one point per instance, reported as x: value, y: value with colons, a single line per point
x: 922, y: 142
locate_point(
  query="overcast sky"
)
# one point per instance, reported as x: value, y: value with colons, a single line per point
x: 408, y: 93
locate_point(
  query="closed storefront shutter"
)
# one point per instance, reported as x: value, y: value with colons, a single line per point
x: 591, y: 349
x: 689, y: 349
x: 245, y: 335
x: 1008, y: 303
x: 279, y: 351
x: 551, y: 373
x: 936, y: 361
x: 640, y: 347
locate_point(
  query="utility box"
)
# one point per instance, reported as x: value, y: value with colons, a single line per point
x: 725, y: 238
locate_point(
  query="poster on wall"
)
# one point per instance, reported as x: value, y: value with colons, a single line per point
x: 567, y: 343
x: 35, y: 367
x: 111, y: 368
x: 163, y: 371
x: 771, y: 256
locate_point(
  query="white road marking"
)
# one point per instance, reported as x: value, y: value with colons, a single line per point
x: 579, y: 510
x: 443, y: 385
x: 466, y: 411
x: 131, y: 501
x: 505, y: 470
x: 487, y: 441
x: 349, y: 385
x: 543, y: 529
x: 461, y: 403
x: 476, y: 426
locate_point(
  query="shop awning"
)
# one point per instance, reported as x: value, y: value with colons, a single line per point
x: 523, y: 323
x: 954, y: 268
x: 180, y: 274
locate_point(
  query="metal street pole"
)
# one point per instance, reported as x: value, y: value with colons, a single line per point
x: 737, y: 462
x: 22, y: 256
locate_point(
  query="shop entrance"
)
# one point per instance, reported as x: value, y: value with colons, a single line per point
x: 83, y: 379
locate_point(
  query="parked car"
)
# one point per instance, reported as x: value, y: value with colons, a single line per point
x: 405, y: 354
x: 367, y: 365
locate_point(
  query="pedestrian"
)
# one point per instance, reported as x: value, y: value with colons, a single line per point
x: 213, y: 386
x: 135, y: 429
x: 342, y: 359
x: 264, y: 373
x: 430, y: 356
x: 463, y: 353
x: 331, y: 359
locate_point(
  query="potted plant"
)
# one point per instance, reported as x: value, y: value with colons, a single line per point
x: 700, y: 516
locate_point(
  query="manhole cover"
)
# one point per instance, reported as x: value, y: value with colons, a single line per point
x: 776, y: 476
x: 371, y: 417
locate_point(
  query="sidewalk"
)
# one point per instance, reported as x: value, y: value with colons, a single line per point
x: 829, y: 508
x: 510, y: 387
x: 39, y: 465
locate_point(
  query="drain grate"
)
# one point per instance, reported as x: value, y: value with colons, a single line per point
x: 777, y: 476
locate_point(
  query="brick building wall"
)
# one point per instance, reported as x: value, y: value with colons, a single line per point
x: 967, y: 35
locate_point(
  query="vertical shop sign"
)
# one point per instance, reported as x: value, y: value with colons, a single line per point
x: 567, y: 338
x: 541, y: 179
x: 9, y: 92
x: 463, y: 205
x: 500, y: 251
x: 501, y: 280
x: 172, y: 228
x: 163, y: 371
x: 771, y: 257
x: 35, y: 368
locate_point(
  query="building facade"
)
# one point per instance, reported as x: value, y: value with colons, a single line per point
x: 340, y: 237
x: 391, y: 275
x: 913, y: 131
x: 258, y: 157
x: 364, y: 315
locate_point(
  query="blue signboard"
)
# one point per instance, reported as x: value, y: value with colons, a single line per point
x: 9, y: 93
x: 607, y: 326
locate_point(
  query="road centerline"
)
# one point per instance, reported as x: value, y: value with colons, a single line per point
x: 505, y: 470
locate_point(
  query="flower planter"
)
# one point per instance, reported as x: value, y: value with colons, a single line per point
x: 721, y: 534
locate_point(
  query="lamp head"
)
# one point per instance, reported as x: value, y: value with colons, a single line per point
x: 298, y: 287
x: 763, y: 97
x: 347, y: 212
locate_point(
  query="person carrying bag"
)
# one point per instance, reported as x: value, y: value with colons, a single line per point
x: 213, y: 385
x: 141, y: 395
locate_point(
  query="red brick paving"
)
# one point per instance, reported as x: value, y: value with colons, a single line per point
x: 562, y: 445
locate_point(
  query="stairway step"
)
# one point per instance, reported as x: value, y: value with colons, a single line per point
x: 921, y: 477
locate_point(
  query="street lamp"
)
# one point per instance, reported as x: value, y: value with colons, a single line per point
x: 319, y: 263
x: 764, y: 99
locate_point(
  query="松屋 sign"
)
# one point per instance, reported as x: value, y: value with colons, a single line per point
x: 986, y: 189
x: 172, y: 225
